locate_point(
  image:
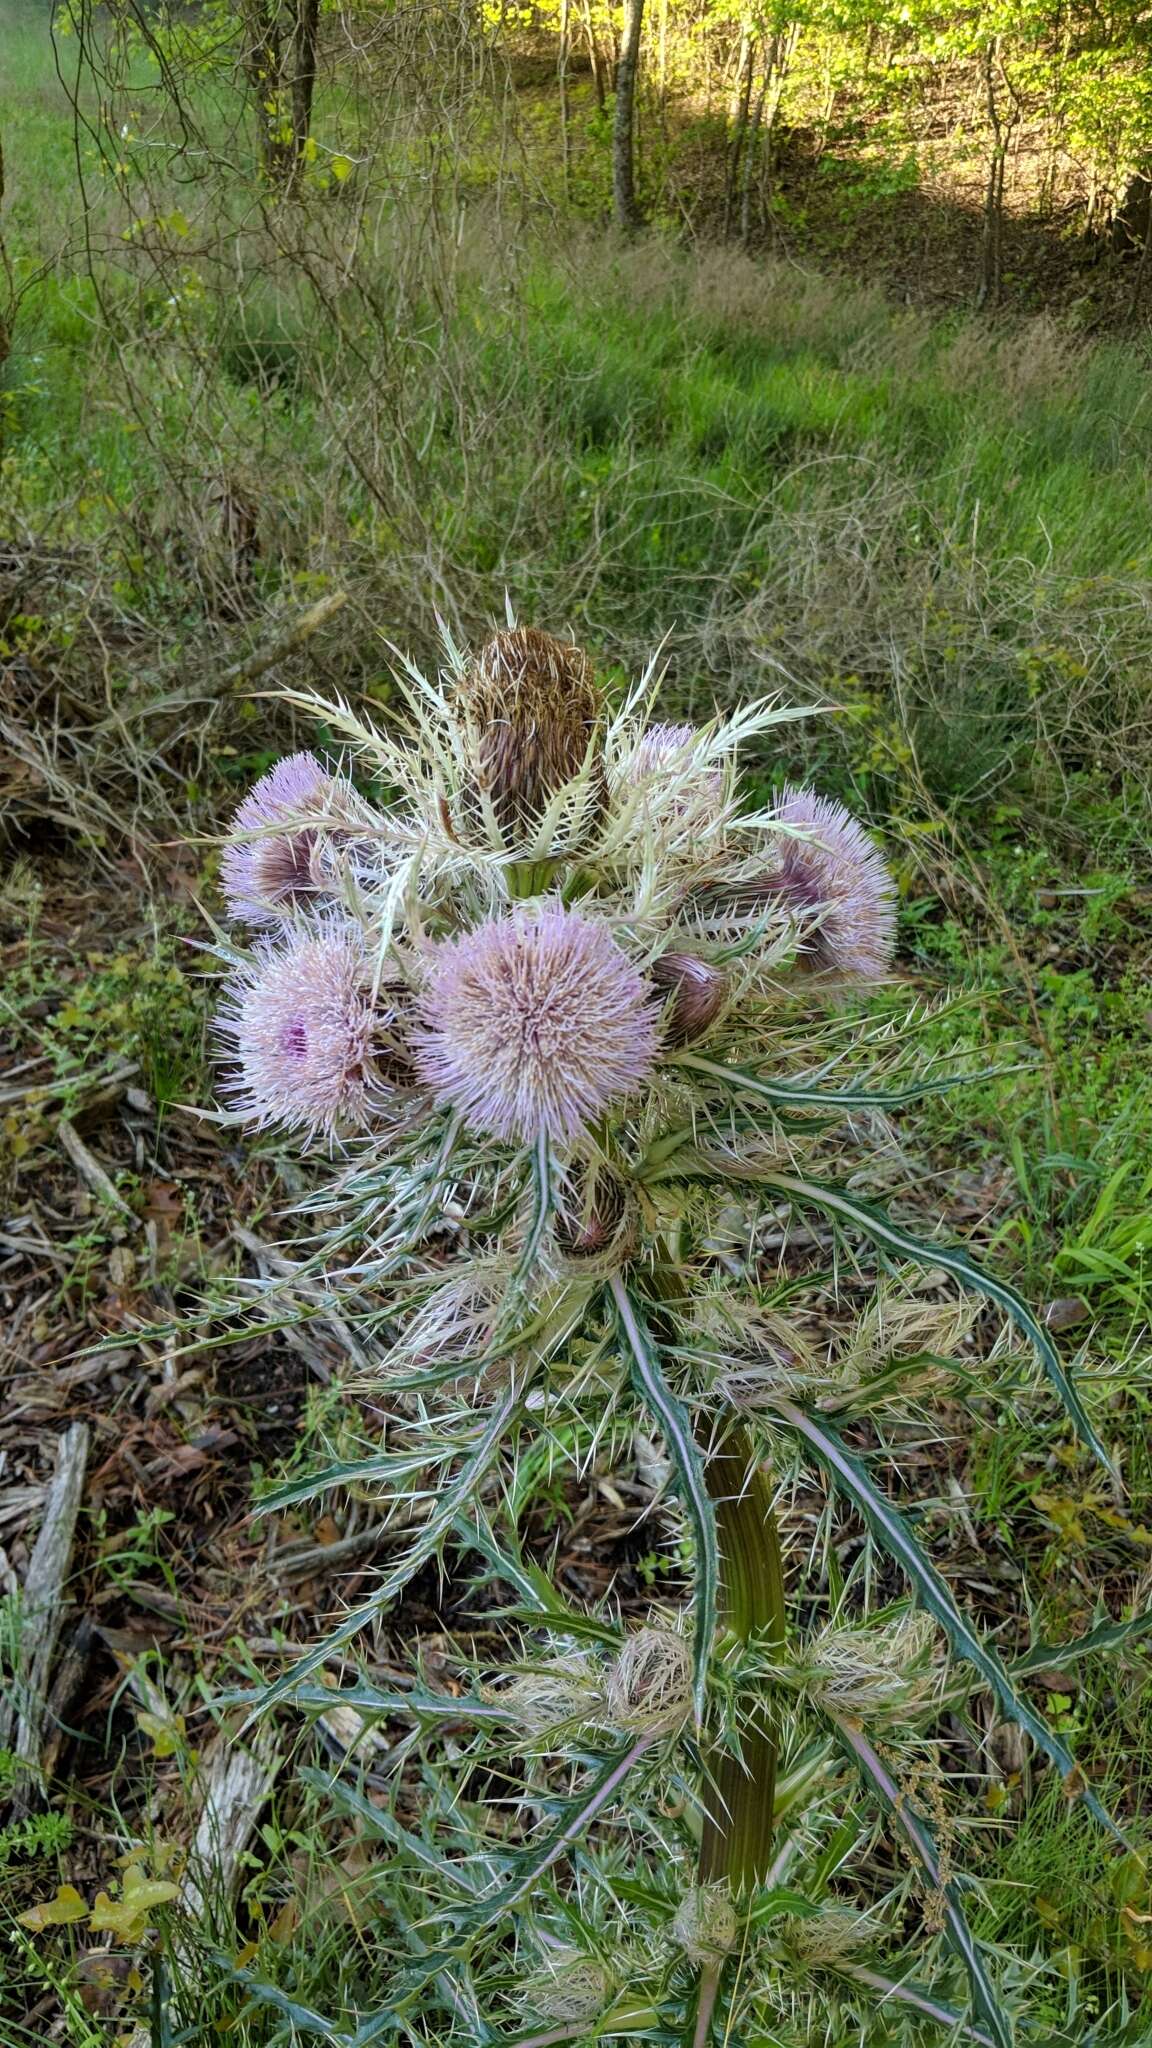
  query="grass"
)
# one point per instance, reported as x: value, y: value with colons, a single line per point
x: 938, y: 528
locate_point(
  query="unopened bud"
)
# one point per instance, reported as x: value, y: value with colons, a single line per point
x: 696, y: 993
x: 822, y: 1940
x: 650, y: 1682
x: 546, y: 1701
x: 533, y: 706
x: 705, y: 1924
x: 604, y: 1229
x: 572, y: 1987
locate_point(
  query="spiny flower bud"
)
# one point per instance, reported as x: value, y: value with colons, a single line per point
x: 705, y: 1924
x: 665, y: 751
x: 649, y: 1684
x: 696, y: 992
x: 555, y: 1698
x: 264, y: 871
x: 869, y: 1671
x: 822, y: 1940
x: 600, y: 1225
x: 571, y: 1987
x: 533, y: 706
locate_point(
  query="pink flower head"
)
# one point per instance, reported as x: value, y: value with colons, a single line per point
x: 660, y: 747
x: 836, y: 872
x: 535, y: 1021
x: 302, y: 1028
x: 664, y: 750
x: 263, y: 870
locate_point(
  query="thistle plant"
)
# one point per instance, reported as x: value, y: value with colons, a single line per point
x: 578, y: 1038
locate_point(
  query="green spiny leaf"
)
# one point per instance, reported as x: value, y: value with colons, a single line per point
x: 893, y: 1533
x: 879, y: 1226
x: 676, y: 1429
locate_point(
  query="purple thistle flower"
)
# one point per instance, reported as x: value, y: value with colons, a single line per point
x: 265, y: 871
x: 664, y: 750
x: 836, y: 873
x: 300, y: 1024
x: 535, y: 1021
x: 659, y: 748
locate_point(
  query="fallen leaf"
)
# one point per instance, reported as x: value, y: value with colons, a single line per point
x: 128, y: 1917
x: 58, y: 1912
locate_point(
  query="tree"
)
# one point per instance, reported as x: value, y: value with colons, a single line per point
x: 625, y: 203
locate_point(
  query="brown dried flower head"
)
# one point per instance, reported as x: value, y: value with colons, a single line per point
x: 533, y: 706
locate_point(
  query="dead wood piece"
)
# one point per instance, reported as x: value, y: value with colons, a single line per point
x: 237, y: 1783
x: 91, y: 1087
x: 42, y: 1603
x: 246, y: 671
x: 71, y: 1672
x: 90, y: 1169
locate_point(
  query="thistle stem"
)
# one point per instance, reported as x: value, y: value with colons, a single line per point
x: 740, y: 1792
x: 736, y: 1844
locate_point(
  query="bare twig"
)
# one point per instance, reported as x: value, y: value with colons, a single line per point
x: 90, y: 1169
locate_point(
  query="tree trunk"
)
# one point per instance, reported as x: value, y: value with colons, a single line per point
x: 625, y: 205
x: 750, y: 158
x: 263, y: 67
x: 562, y: 82
x: 304, y: 34
x: 741, y: 100
x: 992, y: 239
x: 594, y: 56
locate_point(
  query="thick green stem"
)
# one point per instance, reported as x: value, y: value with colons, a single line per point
x: 740, y: 1793
x: 525, y: 878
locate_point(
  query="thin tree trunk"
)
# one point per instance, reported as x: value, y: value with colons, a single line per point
x: 750, y: 158
x: 990, y: 250
x: 594, y: 55
x: 782, y: 51
x: 263, y: 66
x: 562, y: 80
x: 1137, y: 281
x: 304, y: 36
x: 741, y: 99
x: 626, y: 208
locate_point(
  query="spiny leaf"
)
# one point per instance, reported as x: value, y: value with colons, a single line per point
x: 810, y: 1095
x: 385, y: 1466
x: 676, y: 1429
x: 893, y: 1533
x: 920, y: 1841
x: 579, y: 1813
x: 1108, y: 1635
x: 907, y: 1993
x: 379, y: 1822
x: 370, y: 1702
x: 879, y: 1226
x: 431, y: 1535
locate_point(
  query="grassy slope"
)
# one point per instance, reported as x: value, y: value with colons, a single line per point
x: 941, y: 529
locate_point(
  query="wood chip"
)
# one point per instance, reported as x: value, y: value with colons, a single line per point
x: 42, y: 1601
x: 90, y: 1169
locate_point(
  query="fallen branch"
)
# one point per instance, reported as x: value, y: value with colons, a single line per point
x: 42, y: 1604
